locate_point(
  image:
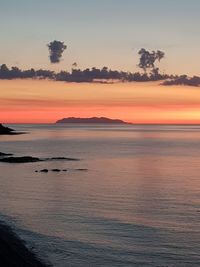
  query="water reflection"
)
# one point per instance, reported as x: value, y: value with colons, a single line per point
x: 139, y: 201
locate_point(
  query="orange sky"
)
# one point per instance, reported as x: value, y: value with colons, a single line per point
x: 40, y: 101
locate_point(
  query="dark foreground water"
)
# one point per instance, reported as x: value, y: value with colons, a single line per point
x: 137, y: 205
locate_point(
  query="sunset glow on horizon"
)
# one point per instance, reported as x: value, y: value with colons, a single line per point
x: 79, y: 41
x: 41, y: 101
x: 100, y: 133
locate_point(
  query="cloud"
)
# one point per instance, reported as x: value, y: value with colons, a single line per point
x: 56, y: 49
x: 148, y: 59
x: 94, y: 74
x: 183, y: 80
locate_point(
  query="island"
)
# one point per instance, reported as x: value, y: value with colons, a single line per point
x: 93, y: 120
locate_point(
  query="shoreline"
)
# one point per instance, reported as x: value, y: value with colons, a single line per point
x: 14, y: 252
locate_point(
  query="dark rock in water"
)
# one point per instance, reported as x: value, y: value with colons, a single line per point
x: 5, y: 130
x: 58, y: 158
x: 44, y: 170
x: 5, y: 154
x: 25, y: 159
x: 4, y: 158
x: 81, y: 169
x: 8, y: 131
x: 64, y: 158
x: 55, y: 170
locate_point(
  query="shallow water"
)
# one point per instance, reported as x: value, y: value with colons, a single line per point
x: 137, y: 205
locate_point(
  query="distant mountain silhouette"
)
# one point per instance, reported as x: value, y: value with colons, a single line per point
x: 94, y: 120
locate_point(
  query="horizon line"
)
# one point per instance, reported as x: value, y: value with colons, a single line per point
x: 125, y: 124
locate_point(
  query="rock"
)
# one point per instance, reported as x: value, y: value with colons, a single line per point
x: 58, y: 158
x: 5, y: 130
x: 82, y: 169
x: 55, y: 170
x: 44, y: 170
x: 64, y: 158
x: 25, y: 159
x: 5, y: 154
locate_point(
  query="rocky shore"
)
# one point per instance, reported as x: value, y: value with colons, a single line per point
x: 13, y: 251
x: 7, y: 131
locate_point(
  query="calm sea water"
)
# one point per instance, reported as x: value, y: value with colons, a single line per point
x: 137, y: 205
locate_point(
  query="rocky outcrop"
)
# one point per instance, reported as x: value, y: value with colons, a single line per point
x: 60, y: 170
x: 25, y: 159
x: 43, y: 170
x: 5, y: 154
x: 53, y: 170
x: 13, y: 251
x: 63, y: 158
x: 5, y: 130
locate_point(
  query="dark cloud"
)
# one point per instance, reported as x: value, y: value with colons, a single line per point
x: 56, y: 49
x: 183, y: 80
x: 77, y: 75
x: 148, y: 59
x: 15, y: 72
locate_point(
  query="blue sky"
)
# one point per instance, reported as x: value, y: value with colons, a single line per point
x: 101, y: 32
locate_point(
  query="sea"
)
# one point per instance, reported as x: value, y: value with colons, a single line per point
x: 132, y: 198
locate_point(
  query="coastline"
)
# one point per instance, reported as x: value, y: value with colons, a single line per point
x: 13, y: 251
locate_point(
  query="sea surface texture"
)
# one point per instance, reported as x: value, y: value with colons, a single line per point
x: 138, y: 204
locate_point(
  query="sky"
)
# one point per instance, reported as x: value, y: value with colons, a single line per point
x: 100, y: 33
x: 40, y: 101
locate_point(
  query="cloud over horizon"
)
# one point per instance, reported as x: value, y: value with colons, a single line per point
x: 56, y: 49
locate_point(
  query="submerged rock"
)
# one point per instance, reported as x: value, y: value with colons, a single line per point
x: 25, y: 159
x: 6, y: 157
x: 56, y: 170
x: 64, y: 158
x: 53, y: 170
x: 44, y: 170
x: 5, y: 154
